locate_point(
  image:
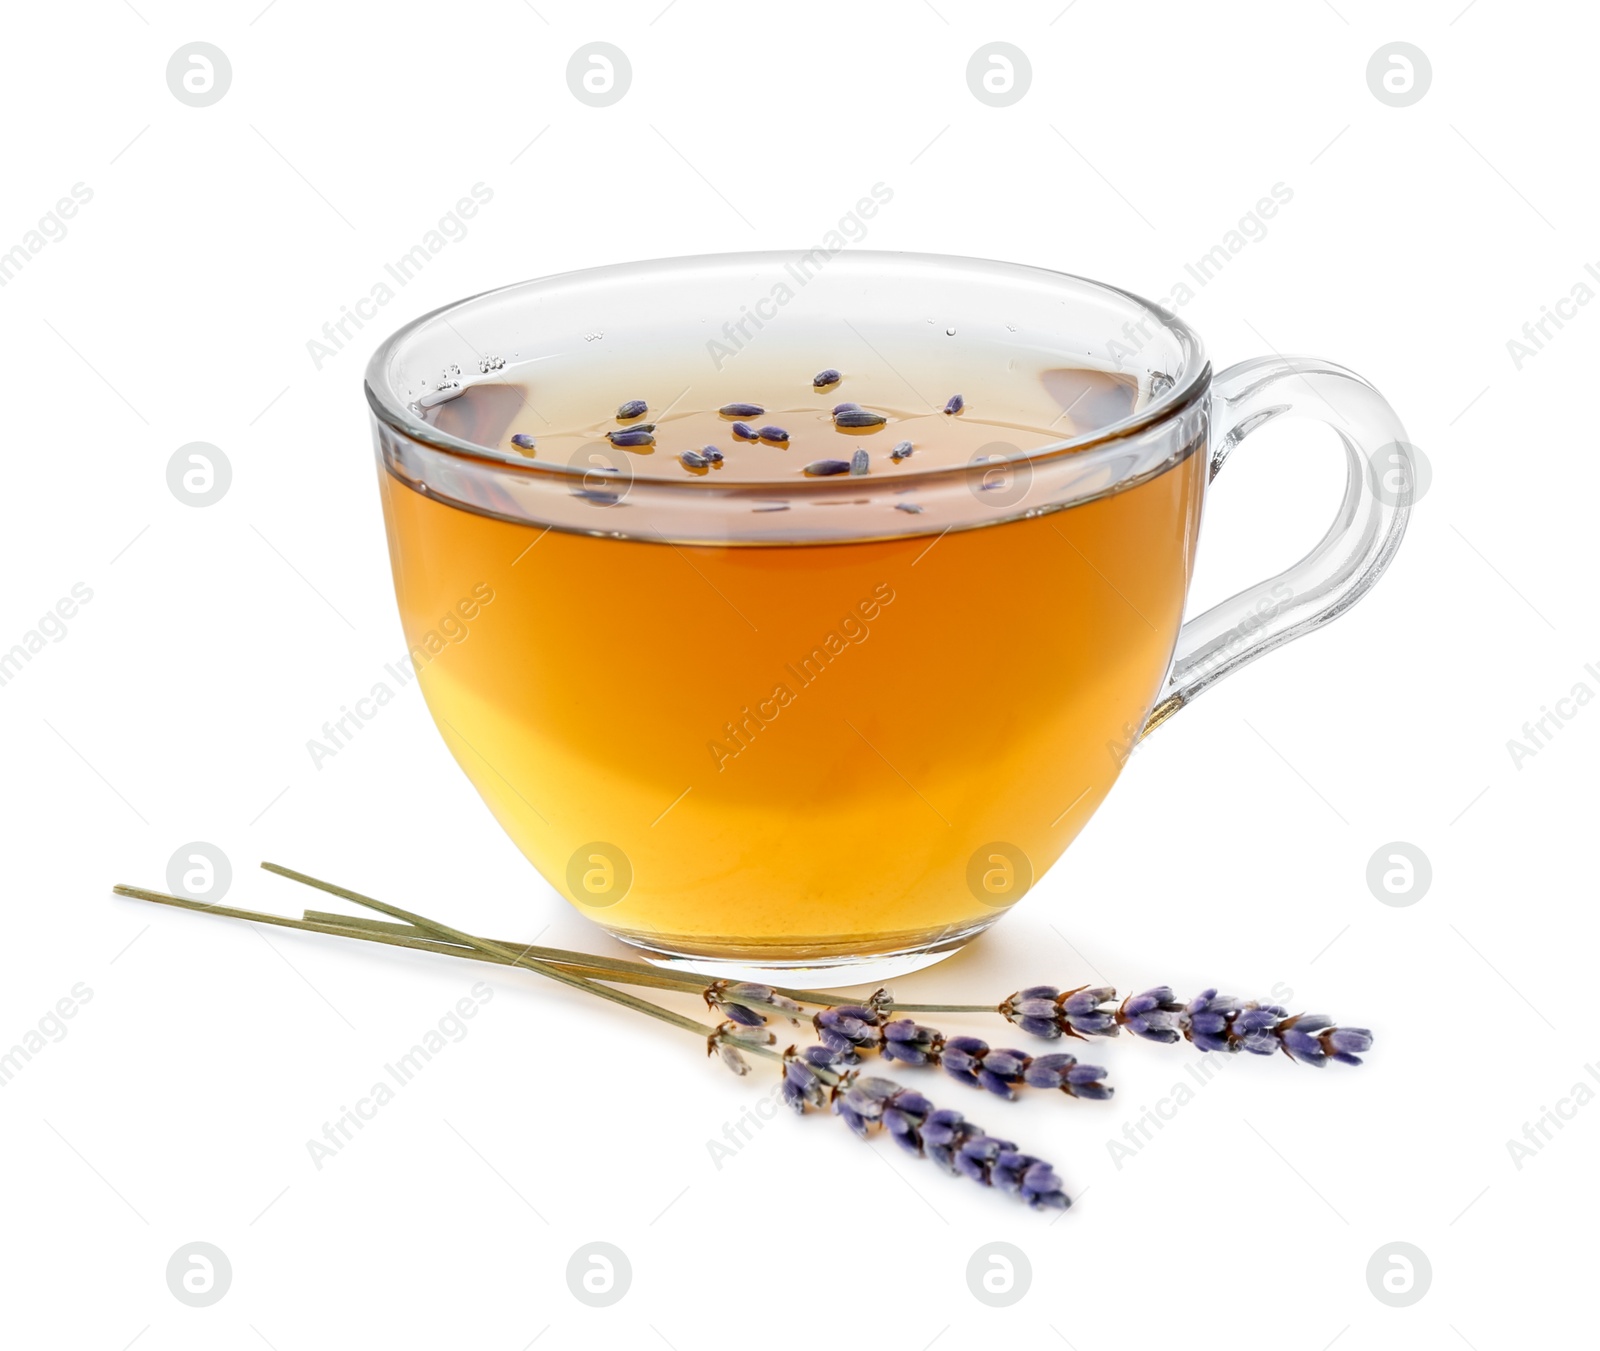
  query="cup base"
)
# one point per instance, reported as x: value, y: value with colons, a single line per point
x: 821, y: 971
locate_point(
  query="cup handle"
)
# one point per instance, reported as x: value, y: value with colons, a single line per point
x: 1352, y: 555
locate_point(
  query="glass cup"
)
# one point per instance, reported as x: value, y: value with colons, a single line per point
x: 829, y: 728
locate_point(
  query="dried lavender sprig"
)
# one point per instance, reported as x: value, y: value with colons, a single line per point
x: 819, y: 1077
x: 943, y: 1135
x: 1082, y: 1013
x: 1210, y: 1021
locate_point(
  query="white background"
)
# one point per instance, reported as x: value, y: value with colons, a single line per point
x: 177, y: 706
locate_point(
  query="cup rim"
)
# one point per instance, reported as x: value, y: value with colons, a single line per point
x: 389, y: 409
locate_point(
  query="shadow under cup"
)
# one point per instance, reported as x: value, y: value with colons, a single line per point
x: 801, y: 725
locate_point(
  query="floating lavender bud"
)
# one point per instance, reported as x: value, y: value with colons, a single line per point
x: 745, y: 432
x: 711, y: 455
x: 631, y: 437
x: 860, y: 462
x: 858, y: 417
x: 822, y: 379
x: 776, y: 434
x: 522, y: 441
x: 823, y: 468
x: 693, y: 459
x: 845, y: 408
x: 902, y: 451
x: 955, y: 404
x: 741, y: 410
x: 911, y: 508
x: 633, y: 408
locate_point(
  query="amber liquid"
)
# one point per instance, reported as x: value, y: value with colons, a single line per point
x: 796, y: 751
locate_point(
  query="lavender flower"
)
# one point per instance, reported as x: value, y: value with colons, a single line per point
x: 825, y: 468
x: 911, y: 1043
x: 955, y: 404
x: 845, y: 1027
x: 860, y: 462
x: 845, y: 408
x: 1210, y: 1022
x: 902, y: 451
x: 1002, y: 1072
x: 726, y: 1039
x: 775, y: 434
x: 522, y: 441
x: 741, y: 410
x: 1045, y: 1011
x: 632, y: 436
x: 810, y: 1076
x: 633, y: 408
x: 734, y: 999
x: 693, y: 459
x: 949, y: 1139
x: 822, y: 379
x: 745, y: 432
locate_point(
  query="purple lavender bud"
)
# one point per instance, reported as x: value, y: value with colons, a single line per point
x: 825, y: 468
x: 962, y: 1058
x: 851, y: 1118
x: 858, y: 417
x: 1042, y: 1189
x: 776, y: 434
x: 955, y: 404
x: 902, y: 451
x: 741, y: 410
x: 631, y: 436
x: 633, y: 408
x: 711, y: 455
x: 847, y: 1026
x: 910, y: 1042
x: 1346, y: 1044
x: 738, y: 1013
x: 844, y: 408
x: 881, y: 1002
x: 977, y: 1157
x: 822, y: 379
x: 1049, y: 1071
x: 693, y: 459
x: 745, y: 432
x: 522, y: 441
x: 731, y: 1057
x: 860, y: 462
x: 1082, y: 1012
